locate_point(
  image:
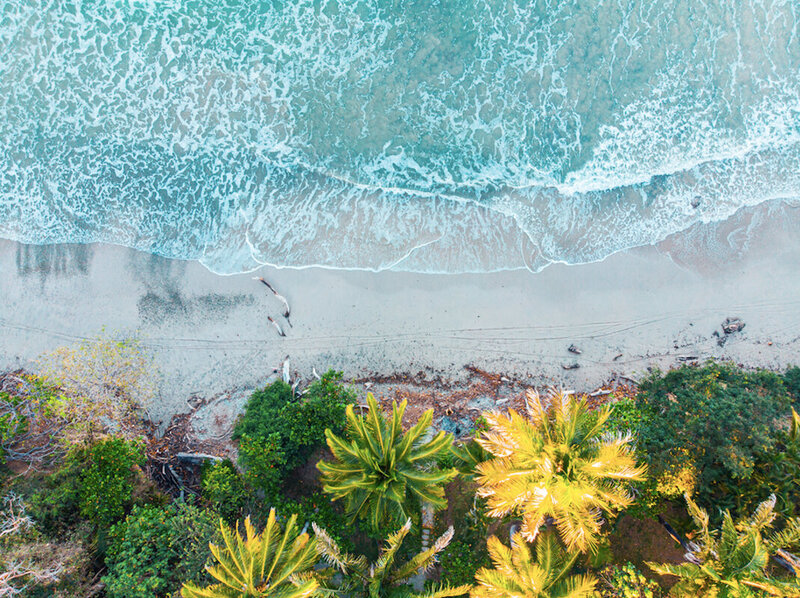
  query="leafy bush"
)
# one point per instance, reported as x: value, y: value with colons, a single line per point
x: 224, y: 488
x: 628, y: 416
x: 12, y: 423
x: 626, y: 581
x: 106, y: 485
x: 318, y: 508
x: 791, y: 379
x: 98, y: 386
x: 706, y: 427
x: 264, y: 461
x: 460, y: 560
x: 155, y: 549
x: 277, y: 422
x: 54, y: 501
x: 776, y: 472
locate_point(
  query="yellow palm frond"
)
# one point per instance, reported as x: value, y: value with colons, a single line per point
x: 557, y: 463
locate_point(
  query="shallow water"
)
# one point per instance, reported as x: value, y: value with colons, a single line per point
x: 430, y: 136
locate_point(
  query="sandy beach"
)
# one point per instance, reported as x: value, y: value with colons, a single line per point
x: 654, y: 306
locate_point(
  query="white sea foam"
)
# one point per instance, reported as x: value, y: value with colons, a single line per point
x: 449, y: 137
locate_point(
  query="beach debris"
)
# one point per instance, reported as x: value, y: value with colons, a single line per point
x: 574, y: 349
x: 278, y: 296
x: 315, y: 374
x: 617, y: 356
x: 687, y: 358
x: 601, y: 392
x: 571, y: 366
x: 277, y: 326
x: 722, y: 340
x: 731, y: 325
x: 285, y: 370
x: 197, y: 458
x: 295, y: 385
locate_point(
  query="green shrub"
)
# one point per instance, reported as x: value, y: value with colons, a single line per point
x: 276, y: 421
x: 318, y: 508
x: 12, y: 422
x: 225, y: 489
x: 155, y: 549
x: 705, y: 427
x: 106, y: 485
x: 776, y: 472
x: 628, y: 416
x: 626, y: 581
x: 54, y: 499
x: 264, y: 462
x: 791, y: 379
x: 460, y: 560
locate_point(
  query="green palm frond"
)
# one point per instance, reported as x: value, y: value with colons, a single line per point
x: 382, y: 578
x: 425, y: 560
x: 733, y: 561
x: 516, y: 574
x: 557, y: 463
x: 381, y: 472
x: 467, y: 457
x: 272, y: 563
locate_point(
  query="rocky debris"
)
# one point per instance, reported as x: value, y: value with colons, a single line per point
x: 731, y: 325
x: 482, y: 403
x: 574, y: 349
x: 696, y: 200
x: 458, y: 427
x: 571, y: 366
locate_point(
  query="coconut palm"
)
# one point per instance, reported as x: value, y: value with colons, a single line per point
x: 382, y: 578
x: 516, y: 574
x: 732, y: 562
x: 272, y: 563
x: 557, y: 464
x: 381, y: 472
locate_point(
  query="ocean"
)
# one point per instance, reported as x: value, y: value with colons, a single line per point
x: 426, y: 136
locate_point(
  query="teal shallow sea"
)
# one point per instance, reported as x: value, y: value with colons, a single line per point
x: 447, y: 136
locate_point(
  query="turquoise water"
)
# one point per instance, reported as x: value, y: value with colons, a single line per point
x: 445, y: 136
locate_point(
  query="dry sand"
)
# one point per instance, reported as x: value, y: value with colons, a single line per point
x: 647, y: 307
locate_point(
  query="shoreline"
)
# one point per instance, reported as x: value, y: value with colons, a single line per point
x: 655, y: 306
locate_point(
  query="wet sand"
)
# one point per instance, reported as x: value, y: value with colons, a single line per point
x: 653, y: 306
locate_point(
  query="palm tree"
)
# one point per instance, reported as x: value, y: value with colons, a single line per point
x: 515, y: 573
x: 272, y: 563
x: 381, y: 578
x: 380, y: 471
x: 732, y: 562
x: 557, y: 465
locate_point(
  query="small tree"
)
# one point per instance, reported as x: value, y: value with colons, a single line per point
x: 156, y: 549
x: 732, y: 562
x: 382, y: 578
x: 557, y: 464
x: 272, y: 563
x: 516, y: 574
x: 381, y: 471
x: 98, y: 386
x: 107, y: 482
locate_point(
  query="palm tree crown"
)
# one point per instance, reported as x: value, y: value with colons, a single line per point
x: 516, y: 574
x: 732, y: 562
x: 558, y: 464
x: 271, y: 563
x: 380, y: 470
x: 382, y: 578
